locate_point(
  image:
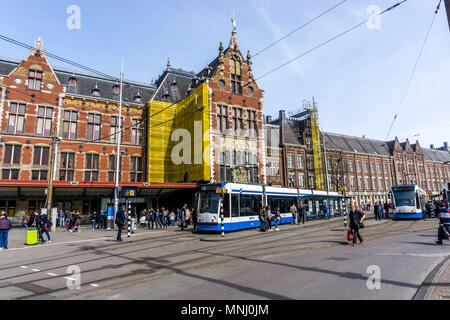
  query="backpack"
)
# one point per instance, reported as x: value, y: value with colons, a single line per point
x: 49, y: 223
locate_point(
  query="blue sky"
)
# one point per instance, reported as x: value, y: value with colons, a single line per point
x: 357, y: 80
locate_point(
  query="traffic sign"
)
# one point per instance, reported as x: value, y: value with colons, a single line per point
x: 129, y: 192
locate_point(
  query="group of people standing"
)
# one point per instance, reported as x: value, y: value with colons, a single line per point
x: 381, y: 211
x: 158, y: 218
x: 39, y: 221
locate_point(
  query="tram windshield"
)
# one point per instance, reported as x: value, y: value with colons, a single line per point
x: 209, y: 201
x: 404, y: 197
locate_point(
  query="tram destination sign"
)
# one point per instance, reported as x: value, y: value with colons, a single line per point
x: 403, y: 188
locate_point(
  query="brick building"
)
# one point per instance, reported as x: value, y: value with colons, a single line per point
x: 366, y: 168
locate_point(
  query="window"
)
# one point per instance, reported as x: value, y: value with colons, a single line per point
x: 378, y: 167
x: 222, y: 84
x: 70, y: 124
x: 12, y: 154
x: 350, y: 165
x: 137, y: 128
x: 41, y: 156
x: 34, y: 80
x: 380, y: 183
x: 366, y: 169
x: 16, y: 118
x: 67, y: 166
x: 359, y: 183
x: 372, y: 167
x: 374, y: 183
x: 358, y: 166
x: 10, y: 174
x: 367, y: 185
x: 112, y: 168
x: 291, y: 179
x: 236, y: 77
x: 9, y: 206
x: 44, y: 121
x: 301, y: 180
x: 91, y: 172
x: 39, y: 175
x: 114, y: 129
x: 252, y: 124
x: 94, y: 127
x: 136, y: 173
x: 290, y: 161
x: 238, y: 121
x: 249, y: 205
x: 222, y: 119
x: 300, y: 164
x: 310, y: 162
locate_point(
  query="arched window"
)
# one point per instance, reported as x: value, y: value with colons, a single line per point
x: 235, y: 66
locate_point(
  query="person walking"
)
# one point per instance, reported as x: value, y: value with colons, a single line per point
x: 183, y: 216
x: 150, y: 218
x: 5, y: 226
x: 61, y: 219
x: 93, y: 218
x: 158, y: 218
x: 120, y: 220
x: 428, y: 209
x: 376, y: 211
x: 262, y: 219
x: 24, y: 221
x: 32, y: 219
x: 386, y: 210
x: 101, y: 220
x: 46, y: 225
x: 325, y: 212
x: 268, y: 218
x: 172, y: 218
x: 301, y: 216
x: 356, y: 219
x: 194, y: 218
x: 444, y: 223
x: 293, y: 210
x: 277, y: 218
x: 380, y: 210
x: 133, y: 220
x: 39, y: 223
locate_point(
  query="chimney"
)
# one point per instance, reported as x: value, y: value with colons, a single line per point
x: 282, y: 115
x: 269, y: 119
x: 432, y: 146
x: 446, y: 146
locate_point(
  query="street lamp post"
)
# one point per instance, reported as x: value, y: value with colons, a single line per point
x: 119, y: 138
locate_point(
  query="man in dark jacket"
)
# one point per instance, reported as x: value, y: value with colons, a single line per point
x: 356, y: 219
x: 376, y: 211
x: 120, y: 220
x: 5, y: 225
x: 386, y: 210
x: 444, y: 223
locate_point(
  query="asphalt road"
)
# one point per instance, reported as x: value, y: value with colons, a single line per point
x: 312, y: 263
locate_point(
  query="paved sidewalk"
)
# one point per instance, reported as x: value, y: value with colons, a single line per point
x: 437, y: 285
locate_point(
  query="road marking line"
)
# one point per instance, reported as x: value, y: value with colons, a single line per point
x: 36, y: 270
x: 24, y: 267
x: 94, y: 285
x: 52, y: 274
x: 69, y: 278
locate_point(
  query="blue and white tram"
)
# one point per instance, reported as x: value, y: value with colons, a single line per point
x: 446, y: 194
x: 409, y: 202
x: 242, y: 202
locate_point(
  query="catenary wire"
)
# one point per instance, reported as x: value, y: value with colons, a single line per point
x: 413, y: 71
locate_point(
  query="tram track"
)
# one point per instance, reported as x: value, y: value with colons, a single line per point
x: 234, y: 251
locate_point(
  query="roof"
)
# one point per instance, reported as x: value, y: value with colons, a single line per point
x: 182, y: 79
x: 85, y: 83
x: 356, y: 144
x: 436, y: 155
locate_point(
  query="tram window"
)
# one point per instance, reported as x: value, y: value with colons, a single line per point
x: 417, y: 201
x: 235, y: 205
x: 249, y: 205
x: 284, y: 203
x: 226, y: 206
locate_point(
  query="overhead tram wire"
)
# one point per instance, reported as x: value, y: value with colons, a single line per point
x: 330, y: 40
x: 299, y: 28
x: 429, y: 131
x: 414, y: 70
x: 264, y: 75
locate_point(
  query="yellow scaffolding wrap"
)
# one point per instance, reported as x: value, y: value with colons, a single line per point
x: 178, y: 139
x: 317, y: 149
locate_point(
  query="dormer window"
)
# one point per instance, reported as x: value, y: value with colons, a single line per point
x: 116, y: 88
x: 137, y: 97
x: 73, y: 80
x: 95, y: 91
x: 35, y: 80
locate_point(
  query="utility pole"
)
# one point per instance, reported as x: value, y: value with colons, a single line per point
x: 119, y: 138
x: 52, y: 169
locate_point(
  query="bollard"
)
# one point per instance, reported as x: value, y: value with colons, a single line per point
x: 221, y: 218
x: 129, y: 220
x: 345, y: 215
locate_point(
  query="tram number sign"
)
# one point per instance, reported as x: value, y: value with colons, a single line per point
x: 220, y: 191
x: 129, y: 192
